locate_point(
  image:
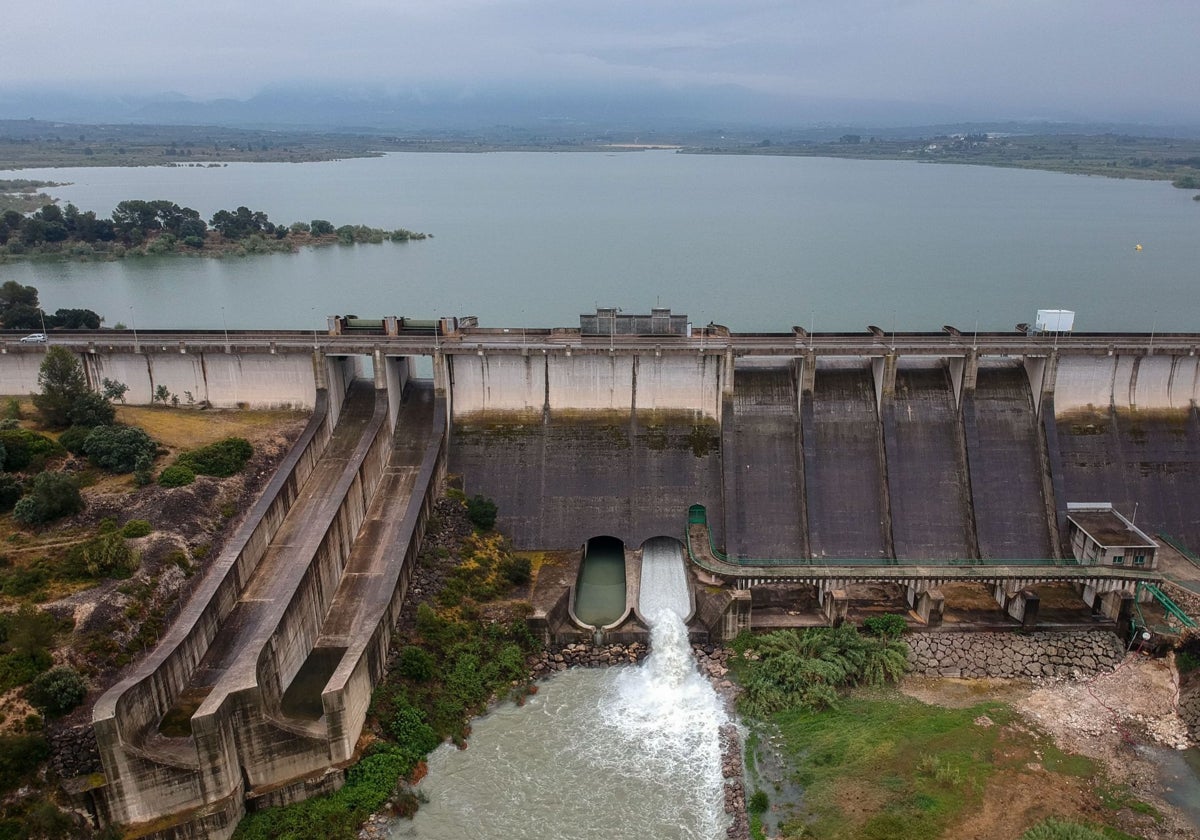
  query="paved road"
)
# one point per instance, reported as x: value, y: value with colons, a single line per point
x: 516, y: 340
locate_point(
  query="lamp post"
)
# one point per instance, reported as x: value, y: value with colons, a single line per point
x: 133, y: 324
x: 42, y: 317
x: 225, y: 329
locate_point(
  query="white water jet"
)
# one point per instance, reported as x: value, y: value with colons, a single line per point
x: 626, y: 753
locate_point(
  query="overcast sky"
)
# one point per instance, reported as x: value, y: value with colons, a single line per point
x: 1058, y: 59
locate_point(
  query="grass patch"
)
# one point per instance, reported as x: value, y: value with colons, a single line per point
x: 188, y: 428
x: 921, y: 765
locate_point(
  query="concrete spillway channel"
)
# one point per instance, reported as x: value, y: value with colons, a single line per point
x: 764, y: 475
x: 926, y: 469
x: 1003, y: 449
x: 847, y: 494
x: 293, y: 618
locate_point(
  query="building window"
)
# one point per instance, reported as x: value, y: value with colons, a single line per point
x: 1139, y: 560
x: 1118, y: 559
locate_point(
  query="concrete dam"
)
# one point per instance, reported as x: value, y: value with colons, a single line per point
x: 816, y: 460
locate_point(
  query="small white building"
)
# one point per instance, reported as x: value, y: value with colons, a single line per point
x: 1101, y: 536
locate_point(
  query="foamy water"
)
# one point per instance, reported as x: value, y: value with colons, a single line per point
x: 625, y: 753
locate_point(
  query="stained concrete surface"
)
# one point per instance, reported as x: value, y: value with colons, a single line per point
x: 244, y: 622
x: 560, y: 482
x: 843, y: 474
x: 1006, y: 471
x: 764, y: 474
x: 925, y: 469
x: 1148, y: 460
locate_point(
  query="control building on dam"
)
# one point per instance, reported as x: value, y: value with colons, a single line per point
x: 814, y: 459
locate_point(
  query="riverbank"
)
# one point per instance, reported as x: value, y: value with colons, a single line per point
x: 983, y: 757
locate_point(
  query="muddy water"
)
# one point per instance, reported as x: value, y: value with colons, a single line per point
x: 627, y: 753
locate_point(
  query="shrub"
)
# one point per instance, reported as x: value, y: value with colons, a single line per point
x: 72, y: 439
x: 23, y: 447
x: 10, y: 491
x: 53, y: 495
x: 19, y: 756
x: 416, y: 664
x: 57, y: 691
x: 415, y: 737
x: 759, y: 802
x: 221, y: 459
x: 888, y: 626
x: 118, y: 448
x: 806, y: 669
x: 107, y: 555
x: 516, y: 570
x: 135, y: 528
x: 481, y: 511
x: 176, y: 476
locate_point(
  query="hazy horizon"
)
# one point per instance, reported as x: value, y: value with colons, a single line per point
x: 705, y: 62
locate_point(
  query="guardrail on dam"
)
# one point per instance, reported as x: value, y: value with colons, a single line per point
x: 823, y: 447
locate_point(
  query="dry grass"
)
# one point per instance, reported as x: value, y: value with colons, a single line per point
x: 187, y: 428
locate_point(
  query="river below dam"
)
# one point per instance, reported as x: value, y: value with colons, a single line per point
x: 624, y: 753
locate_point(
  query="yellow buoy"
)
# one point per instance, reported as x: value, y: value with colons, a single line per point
x: 1137, y: 247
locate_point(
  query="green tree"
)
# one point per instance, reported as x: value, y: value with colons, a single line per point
x: 13, y: 293
x: 114, y: 390
x: 91, y: 409
x: 320, y: 227
x: 75, y: 319
x: 62, y: 382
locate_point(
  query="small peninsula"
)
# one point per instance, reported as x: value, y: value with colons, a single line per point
x: 155, y: 228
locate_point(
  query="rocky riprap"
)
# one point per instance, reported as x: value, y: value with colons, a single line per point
x: 1075, y: 653
x: 561, y: 657
x: 733, y: 771
x: 73, y: 750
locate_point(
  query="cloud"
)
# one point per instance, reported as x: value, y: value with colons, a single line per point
x: 1098, y: 58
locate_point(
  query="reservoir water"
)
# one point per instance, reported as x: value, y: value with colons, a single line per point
x: 756, y: 243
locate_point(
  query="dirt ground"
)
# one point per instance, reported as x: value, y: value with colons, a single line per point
x: 1102, y: 719
x: 189, y: 522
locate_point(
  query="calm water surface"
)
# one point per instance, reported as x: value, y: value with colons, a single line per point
x: 753, y: 242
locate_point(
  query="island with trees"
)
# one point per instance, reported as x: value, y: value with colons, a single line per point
x: 160, y: 227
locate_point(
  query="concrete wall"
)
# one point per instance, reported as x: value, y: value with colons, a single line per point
x: 497, y: 383
x: 227, y: 380
x: 347, y: 695
x: 245, y: 705
x: 1126, y: 382
x: 141, y: 784
x: 19, y: 372
x: 529, y: 384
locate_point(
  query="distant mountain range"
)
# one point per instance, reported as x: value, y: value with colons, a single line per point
x: 548, y: 112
